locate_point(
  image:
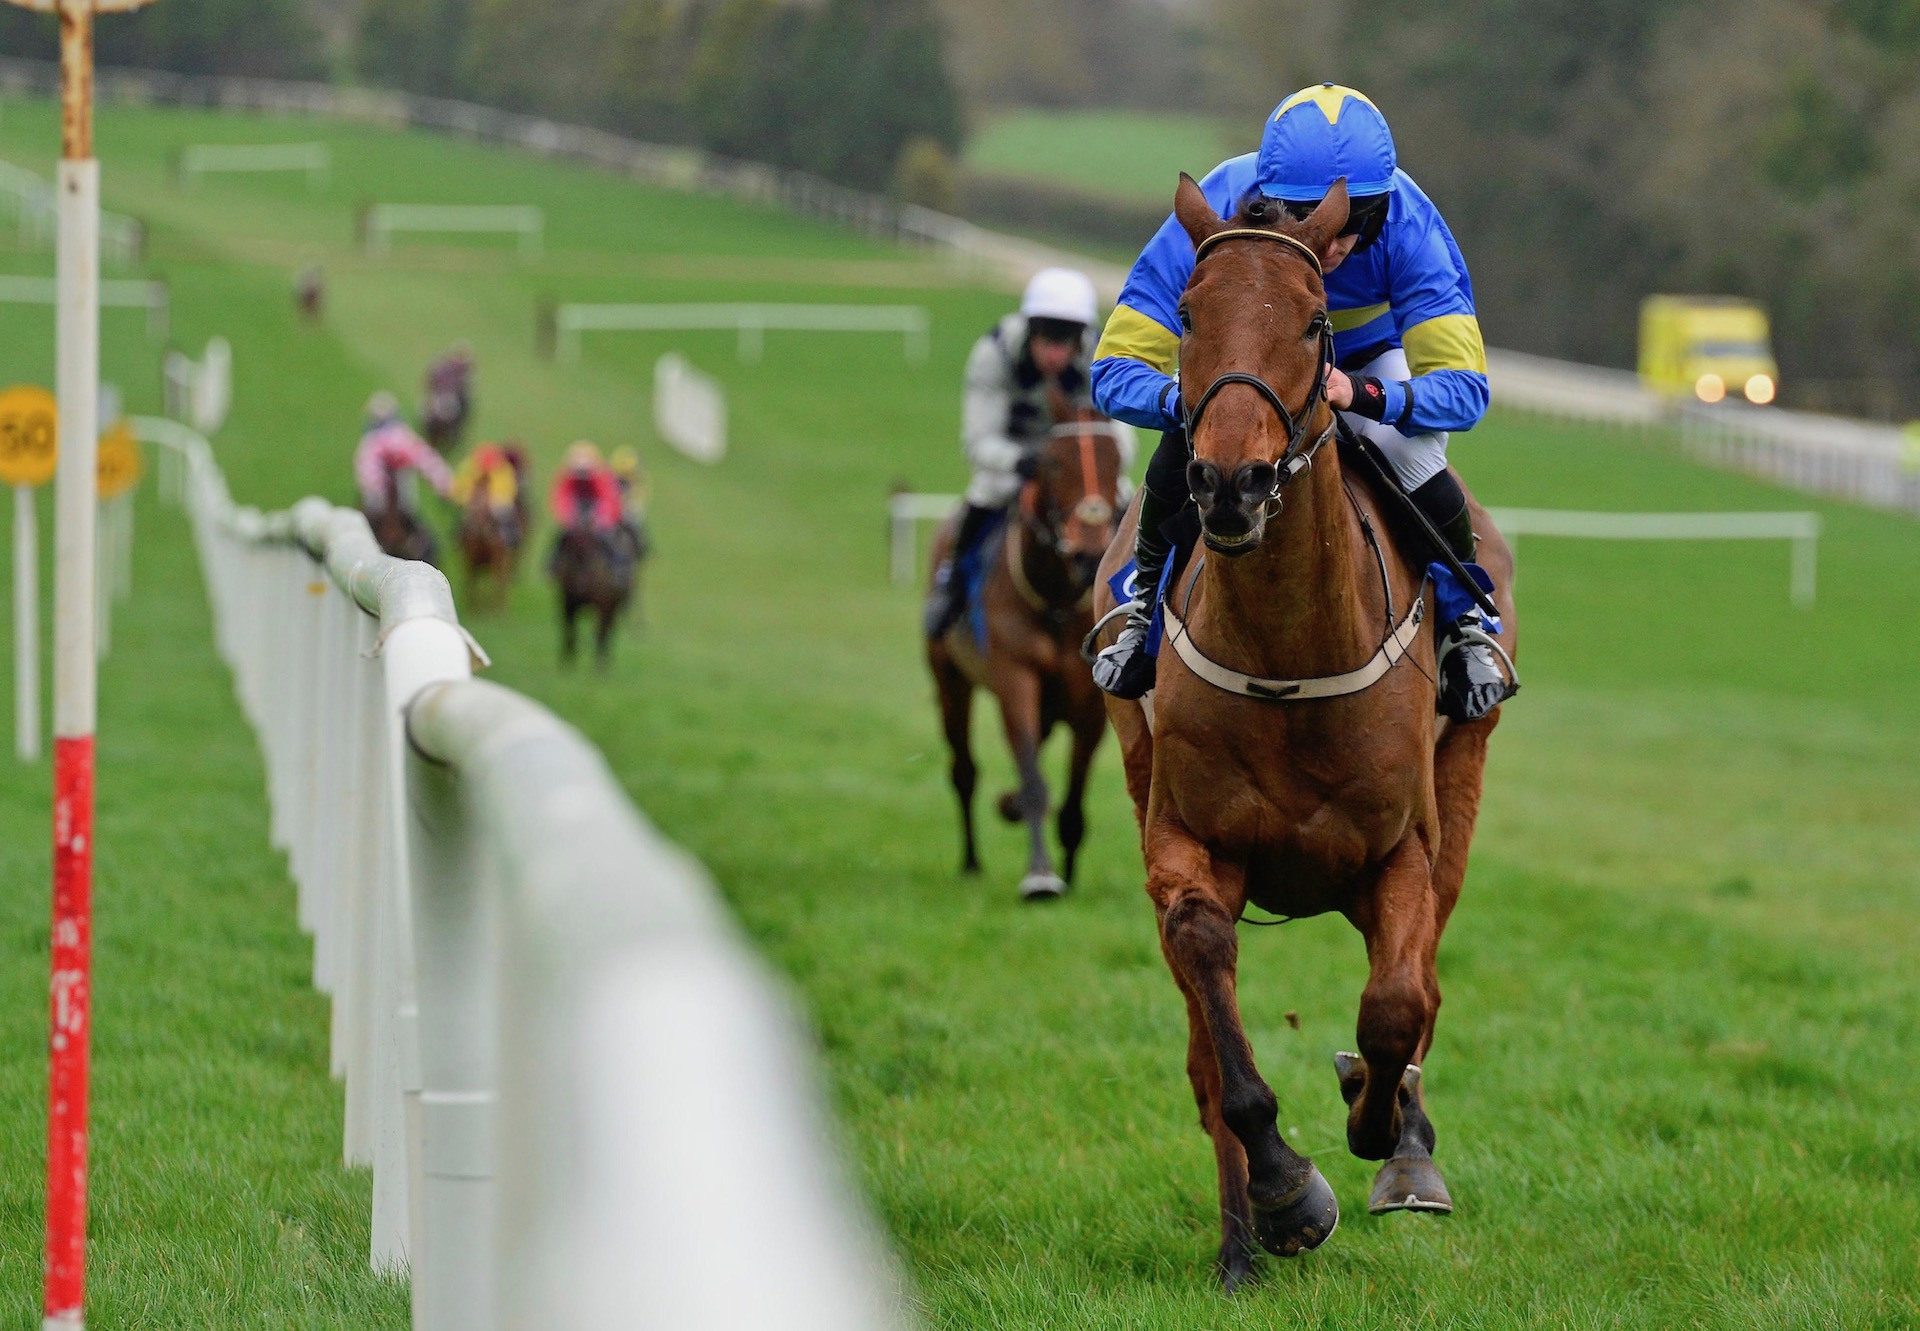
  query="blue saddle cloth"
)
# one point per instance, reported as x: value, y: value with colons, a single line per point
x: 1126, y: 588
x: 972, y: 566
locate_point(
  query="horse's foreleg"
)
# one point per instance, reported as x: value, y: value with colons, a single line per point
x: 1018, y: 689
x: 1396, y: 1008
x: 603, y: 635
x: 1072, y: 823
x: 956, y: 720
x: 569, y: 643
x: 1198, y: 900
x: 1235, y: 1263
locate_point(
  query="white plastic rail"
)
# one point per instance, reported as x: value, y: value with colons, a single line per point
x: 751, y: 322
x: 583, y: 1101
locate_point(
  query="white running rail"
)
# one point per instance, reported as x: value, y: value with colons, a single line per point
x: 689, y: 409
x: 122, y: 239
x: 751, y: 322
x: 383, y: 220
x: 130, y: 293
x: 205, y: 159
x: 1801, y: 529
x: 584, y: 1103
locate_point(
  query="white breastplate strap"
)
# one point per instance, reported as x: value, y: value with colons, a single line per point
x: 1293, y: 690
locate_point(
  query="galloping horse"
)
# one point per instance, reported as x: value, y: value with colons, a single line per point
x: 490, y: 541
x: 1290, y: 756
x: 1036, y: 606
x: 589, y: 571
x: 401, y: 533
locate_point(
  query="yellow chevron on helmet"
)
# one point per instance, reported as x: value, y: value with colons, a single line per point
x: 1322, y: 134
x: 1331, y: 98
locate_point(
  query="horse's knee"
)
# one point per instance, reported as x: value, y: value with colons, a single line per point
x: 1394, y: 1011
x: 1199, y: 935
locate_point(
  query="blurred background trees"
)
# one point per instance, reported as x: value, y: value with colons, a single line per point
x: 1588, y: 152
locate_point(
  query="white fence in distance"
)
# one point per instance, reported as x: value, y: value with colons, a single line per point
x: 123, y: 239
x: 689, y: 409
x: 382, y: 221
x: 579, y: 1094
x: 199, y: 392
x: 907, y: 510
x: 127, y: 293
x: 751, y: 322
x: 313, y: 160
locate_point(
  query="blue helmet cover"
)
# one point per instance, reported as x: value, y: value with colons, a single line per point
x: 1319, y: 135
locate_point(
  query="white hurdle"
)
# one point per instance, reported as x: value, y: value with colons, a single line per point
x: 383, y: 220
x: 1800, y: 528
x: 578, y: 1091
x: 124, y: 294
x: 204, y: 159
x: 751, y: 322
x: 906, y: 510
x: 689, y: 409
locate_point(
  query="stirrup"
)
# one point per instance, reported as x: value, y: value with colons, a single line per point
x: 1465, y: 635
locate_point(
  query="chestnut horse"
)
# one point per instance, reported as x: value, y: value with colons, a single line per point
x: 1290, y: 755
x: 1037, y: 605
x: 490, y: 540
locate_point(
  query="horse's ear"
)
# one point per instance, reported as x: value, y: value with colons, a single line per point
x: 1324, y: 224
x: 1194, y: 212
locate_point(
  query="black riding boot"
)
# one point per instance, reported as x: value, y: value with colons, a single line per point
x: 1124, y: 669
x: 948, y: 598
x: 1472, y: 680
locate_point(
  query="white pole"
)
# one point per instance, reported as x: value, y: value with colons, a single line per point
x: 26, y: 625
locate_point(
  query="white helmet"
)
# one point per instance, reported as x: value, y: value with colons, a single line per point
x: 1061, y: 293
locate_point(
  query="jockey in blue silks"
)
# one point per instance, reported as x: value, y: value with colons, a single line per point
x: 1411, y: 368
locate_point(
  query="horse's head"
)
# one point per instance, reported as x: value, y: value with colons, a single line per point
x: 1072, y: 503
x: 1254, y: 354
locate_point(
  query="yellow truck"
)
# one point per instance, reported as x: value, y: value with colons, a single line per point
x: 1708, y: 348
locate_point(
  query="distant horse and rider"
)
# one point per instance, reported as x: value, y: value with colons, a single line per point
x: 598, y: 548
x: 387, y: 466
x: 1310, y: 662
x: 1011, y: 594
x: 490, y: 489
x: 447, y: 403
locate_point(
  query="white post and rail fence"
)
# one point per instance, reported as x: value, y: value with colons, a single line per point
x: 584, y: 1103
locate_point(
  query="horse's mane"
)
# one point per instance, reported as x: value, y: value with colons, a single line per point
x: 1261, y: 213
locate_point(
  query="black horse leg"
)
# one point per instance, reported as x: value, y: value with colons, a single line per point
x: 568, y: 646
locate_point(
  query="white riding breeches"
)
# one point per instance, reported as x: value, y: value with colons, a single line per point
x: 1416, y: 458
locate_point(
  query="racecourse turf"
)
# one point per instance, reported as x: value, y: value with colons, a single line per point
x: 1674, y: 1080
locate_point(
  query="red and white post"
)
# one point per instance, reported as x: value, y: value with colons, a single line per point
x: 77, y: 386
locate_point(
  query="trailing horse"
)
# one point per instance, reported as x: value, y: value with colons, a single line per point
x: 401, y: 532
x: 1020, y: 640
x: 590, y: 570
x: 1290, y: 755
x: 490, y: 539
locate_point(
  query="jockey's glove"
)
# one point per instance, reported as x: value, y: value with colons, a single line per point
x: 1369, y: 397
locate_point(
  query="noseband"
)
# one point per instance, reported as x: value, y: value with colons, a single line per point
x: 1298, y: 456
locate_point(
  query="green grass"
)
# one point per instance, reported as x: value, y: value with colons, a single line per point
x: 1672, y: 1082
x: 1134, y: 156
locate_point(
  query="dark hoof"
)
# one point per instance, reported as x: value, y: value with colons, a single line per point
x: 1301, y: 1223
x: 1042, y: 887
x: 1352, y: 1071
x: 1409, y: 1183
x: 1008, y: 806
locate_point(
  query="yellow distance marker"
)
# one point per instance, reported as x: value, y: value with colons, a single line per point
x: 118, y: 467
x: 29, y: 435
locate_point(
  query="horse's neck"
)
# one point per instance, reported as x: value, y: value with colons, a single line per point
x: 1039, y: 567
x: 1307, y: 602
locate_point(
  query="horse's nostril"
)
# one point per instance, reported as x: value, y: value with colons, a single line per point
x: 1203, y: 479
x: 1255, y: 481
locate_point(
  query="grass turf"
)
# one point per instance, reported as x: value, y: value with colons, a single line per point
x: 1132, y: 155
x: 1668, y: 1082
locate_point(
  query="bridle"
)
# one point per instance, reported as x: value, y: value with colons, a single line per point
x: 1091, y: 510
x: 1298, y: 455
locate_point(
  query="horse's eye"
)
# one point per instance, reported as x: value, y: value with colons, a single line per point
x: 1316, y: 326
x: 1186, y: 317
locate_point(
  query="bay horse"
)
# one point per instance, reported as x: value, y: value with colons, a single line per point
x: 588, y: 570
x: 490, y: 540
x: 401, y: 532
x: 1037, y: 605
x: 1290, y: 755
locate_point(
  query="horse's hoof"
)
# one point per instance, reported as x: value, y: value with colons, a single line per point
x: 1352, y: 1071
x: 1042, y: 887
x: 1008, y: 807
x: 1301, y: 1223
x: 1409, y: 1183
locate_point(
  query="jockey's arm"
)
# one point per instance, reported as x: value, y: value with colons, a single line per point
x: 984, y: 409
x: 430, y: 465
x: 1134, y: 365
x: 1446, y: 358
